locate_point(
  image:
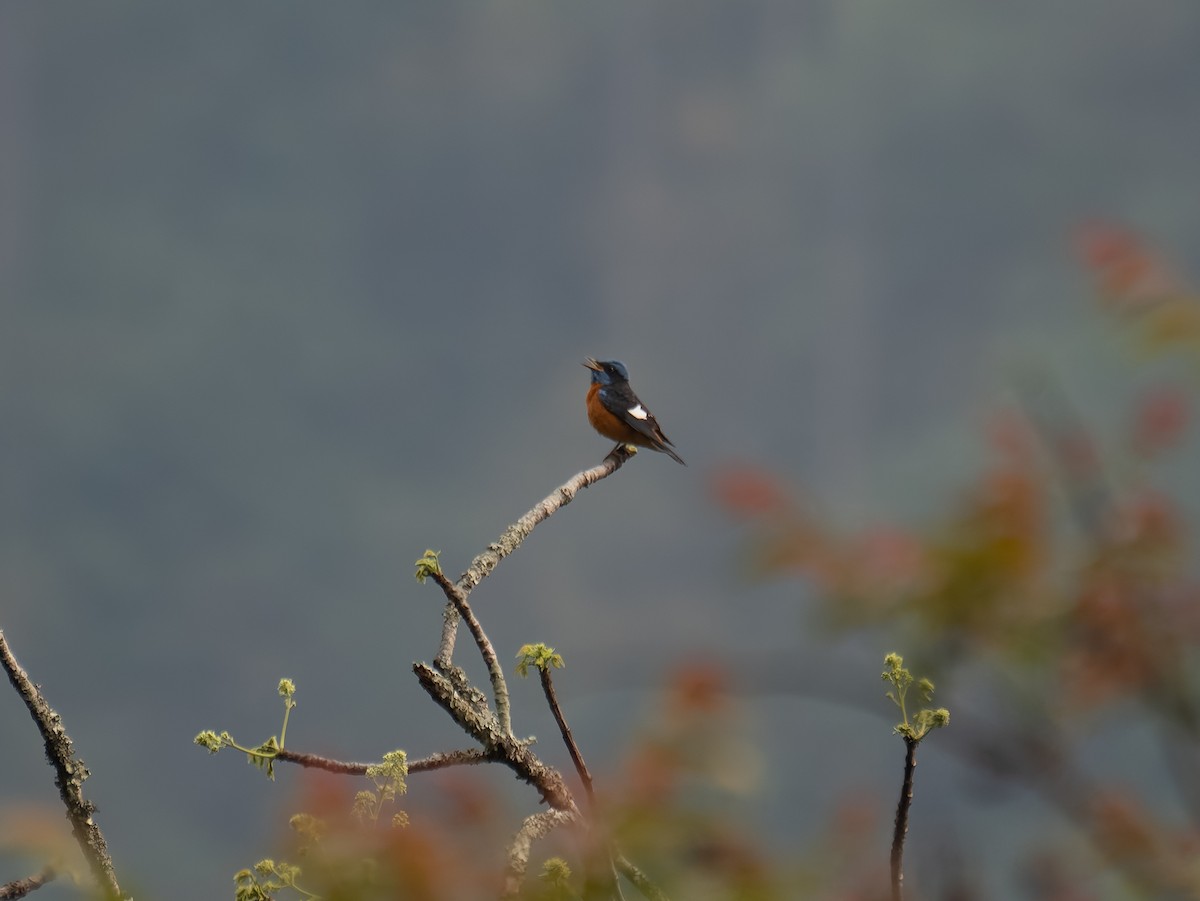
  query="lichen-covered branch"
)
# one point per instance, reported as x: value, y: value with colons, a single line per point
x: 19, y: 888
x: 512, y: 537
x: 438, y: 761
x: 69, y: 774
x: 537, y: 826
x: 498, y: 744
x: 444, y: 759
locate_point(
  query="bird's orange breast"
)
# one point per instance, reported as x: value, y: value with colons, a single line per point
x: 607, y: 424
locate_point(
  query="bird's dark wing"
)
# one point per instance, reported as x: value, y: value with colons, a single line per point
x: 624, y: 404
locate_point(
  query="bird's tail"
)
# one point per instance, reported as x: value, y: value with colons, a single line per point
x: 666, y: 449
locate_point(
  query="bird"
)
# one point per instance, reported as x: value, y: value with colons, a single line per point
x: 615, y: 411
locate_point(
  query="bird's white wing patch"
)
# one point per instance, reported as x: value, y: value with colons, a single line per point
x: 637, y: 411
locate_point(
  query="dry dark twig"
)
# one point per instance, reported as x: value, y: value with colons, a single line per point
x: 69, y: 774
x: 611, y: 882
x: 902, y: 809
x: 568, y: 739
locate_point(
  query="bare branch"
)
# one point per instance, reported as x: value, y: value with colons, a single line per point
x: 512, y: 537
x: 69, y: 774
x: 19, y: 888
x: 316, y: 762
x: 537, y: 826
x: 438, y: 761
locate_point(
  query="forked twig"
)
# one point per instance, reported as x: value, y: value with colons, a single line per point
x: 458, y: 598
x: 498, y: 744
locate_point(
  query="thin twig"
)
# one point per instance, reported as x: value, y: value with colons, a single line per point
x: 535, y: 827
x: 458, y: 598
x: 902, y: 808
x: 437, y: 761
x: 614, y: 879
x: 19, y: 888
x: 69, y: 773
x: 512, y: 537
x: 317, y: 762
x: 640, y: 880
x: 612, y: 882
x: 568, y: 739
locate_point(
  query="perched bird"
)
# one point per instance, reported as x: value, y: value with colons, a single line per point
x: 615, y: 411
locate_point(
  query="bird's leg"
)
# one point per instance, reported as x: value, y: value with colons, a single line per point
x: 622, y: 450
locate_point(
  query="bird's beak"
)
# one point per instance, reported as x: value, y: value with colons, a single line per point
x: 593, y: 365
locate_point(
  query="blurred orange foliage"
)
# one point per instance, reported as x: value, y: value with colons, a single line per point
x: 1133, y: 281
x: 1061, y: 571
x: 1161, y: 418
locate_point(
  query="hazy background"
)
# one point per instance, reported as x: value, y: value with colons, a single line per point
x: 293, y: 291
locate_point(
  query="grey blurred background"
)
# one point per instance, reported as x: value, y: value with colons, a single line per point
x: 293, y: 291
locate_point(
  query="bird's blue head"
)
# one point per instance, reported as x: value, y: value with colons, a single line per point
x: 607, y: 372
